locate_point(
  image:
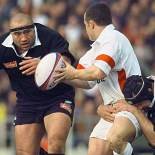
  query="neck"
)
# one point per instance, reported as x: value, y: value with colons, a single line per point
x: 99, y: 30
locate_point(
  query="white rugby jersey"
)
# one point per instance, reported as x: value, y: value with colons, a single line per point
x: 114, y: 55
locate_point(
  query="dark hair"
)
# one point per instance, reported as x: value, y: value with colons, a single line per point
x: 100, y: 13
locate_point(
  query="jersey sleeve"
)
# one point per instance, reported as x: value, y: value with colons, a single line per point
x: 107, y: 57
x: 82, y: 65
x: 1, y: 59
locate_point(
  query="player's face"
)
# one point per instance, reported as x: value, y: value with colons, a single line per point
x: 89, y: 29
x: 23, y: 39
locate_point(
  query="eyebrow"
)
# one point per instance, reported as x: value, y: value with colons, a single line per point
x: 22, y: 28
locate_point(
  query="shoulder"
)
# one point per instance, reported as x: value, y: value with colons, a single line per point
x: 117, y: 34
x: 44, y: 29
x: 87, y: 56
x: 3, y: 37
x: 46, y: 34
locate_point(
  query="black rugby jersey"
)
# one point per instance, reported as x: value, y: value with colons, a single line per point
x: 49, y: 41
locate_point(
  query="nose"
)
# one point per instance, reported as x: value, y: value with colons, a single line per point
x: 23, y: 37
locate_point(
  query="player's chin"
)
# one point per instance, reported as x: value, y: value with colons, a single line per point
x: 25, y: 48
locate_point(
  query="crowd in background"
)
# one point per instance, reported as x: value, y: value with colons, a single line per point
x: 135, y: 18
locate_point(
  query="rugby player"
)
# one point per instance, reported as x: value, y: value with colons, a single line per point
x: 109, y: 62
x: 37, y: 111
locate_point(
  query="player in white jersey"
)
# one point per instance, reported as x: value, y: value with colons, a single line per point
x: 108, y: 63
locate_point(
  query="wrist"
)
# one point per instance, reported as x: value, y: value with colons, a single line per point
x: 75, y: 74
x: 133, y: 109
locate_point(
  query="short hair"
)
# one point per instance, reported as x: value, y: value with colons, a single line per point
x: 100, y: 13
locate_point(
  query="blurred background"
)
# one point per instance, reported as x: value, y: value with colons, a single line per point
x: 135, y: 18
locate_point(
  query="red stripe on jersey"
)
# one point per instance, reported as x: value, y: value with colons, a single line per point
x: 121, y: 78
x: 107, y: 59
x: 79, y: 66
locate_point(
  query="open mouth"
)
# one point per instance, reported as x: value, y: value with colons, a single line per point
x: 25, y: 45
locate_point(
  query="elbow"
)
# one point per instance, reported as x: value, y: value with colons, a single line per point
x: 98, y: 75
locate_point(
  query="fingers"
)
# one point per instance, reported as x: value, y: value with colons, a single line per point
x: 27, y: 58
x: 107, y: 112
x: 29, y: 71
x: 60, y: 70
x: 111, y: 109
x: 57, y: 80
x: 28, y: 65
x: 110, y: 118
x: 25, y: 66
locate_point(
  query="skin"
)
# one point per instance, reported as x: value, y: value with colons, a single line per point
x: 23, y: 39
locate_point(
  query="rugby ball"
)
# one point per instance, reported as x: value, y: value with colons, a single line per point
x: 45, y: 71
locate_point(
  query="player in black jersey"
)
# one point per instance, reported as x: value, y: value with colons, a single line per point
x: 37, y: 111
x: 140, y: 93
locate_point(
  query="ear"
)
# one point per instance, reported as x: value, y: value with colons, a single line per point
x: 92, y: 24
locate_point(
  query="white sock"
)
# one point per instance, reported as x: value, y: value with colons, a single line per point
x: 128, y: 150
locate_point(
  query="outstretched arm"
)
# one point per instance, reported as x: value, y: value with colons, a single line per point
x: 89, y: 74
x: 78, y: 83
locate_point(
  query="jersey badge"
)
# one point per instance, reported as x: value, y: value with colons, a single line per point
x: 11, y: 64
x: 101, y: 80
x: 66, y: 106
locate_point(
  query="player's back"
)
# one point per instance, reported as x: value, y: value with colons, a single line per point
x: 128, y: 59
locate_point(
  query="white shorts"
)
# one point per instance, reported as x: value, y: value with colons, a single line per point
x: 102, y: 128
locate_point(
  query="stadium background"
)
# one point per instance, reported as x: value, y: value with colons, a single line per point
x: 135, y: 18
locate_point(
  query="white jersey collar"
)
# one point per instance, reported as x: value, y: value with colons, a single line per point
x: 102, y: 36
x: 8, y: 42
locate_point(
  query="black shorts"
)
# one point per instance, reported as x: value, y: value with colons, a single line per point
x: 35, y: 114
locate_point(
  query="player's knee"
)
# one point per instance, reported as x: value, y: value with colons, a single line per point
x: 99, y: 149
x: 115, y: 142
x: 56, y: 145
x: 92, y: 151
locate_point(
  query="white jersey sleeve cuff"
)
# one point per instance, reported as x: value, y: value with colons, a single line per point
x: 91, y: 83
x: 103, y: 66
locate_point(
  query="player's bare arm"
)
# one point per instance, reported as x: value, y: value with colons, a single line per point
x: 146, y: 126
x: 90, y: 74
x: 78, y: 83
x: 28, y: 65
